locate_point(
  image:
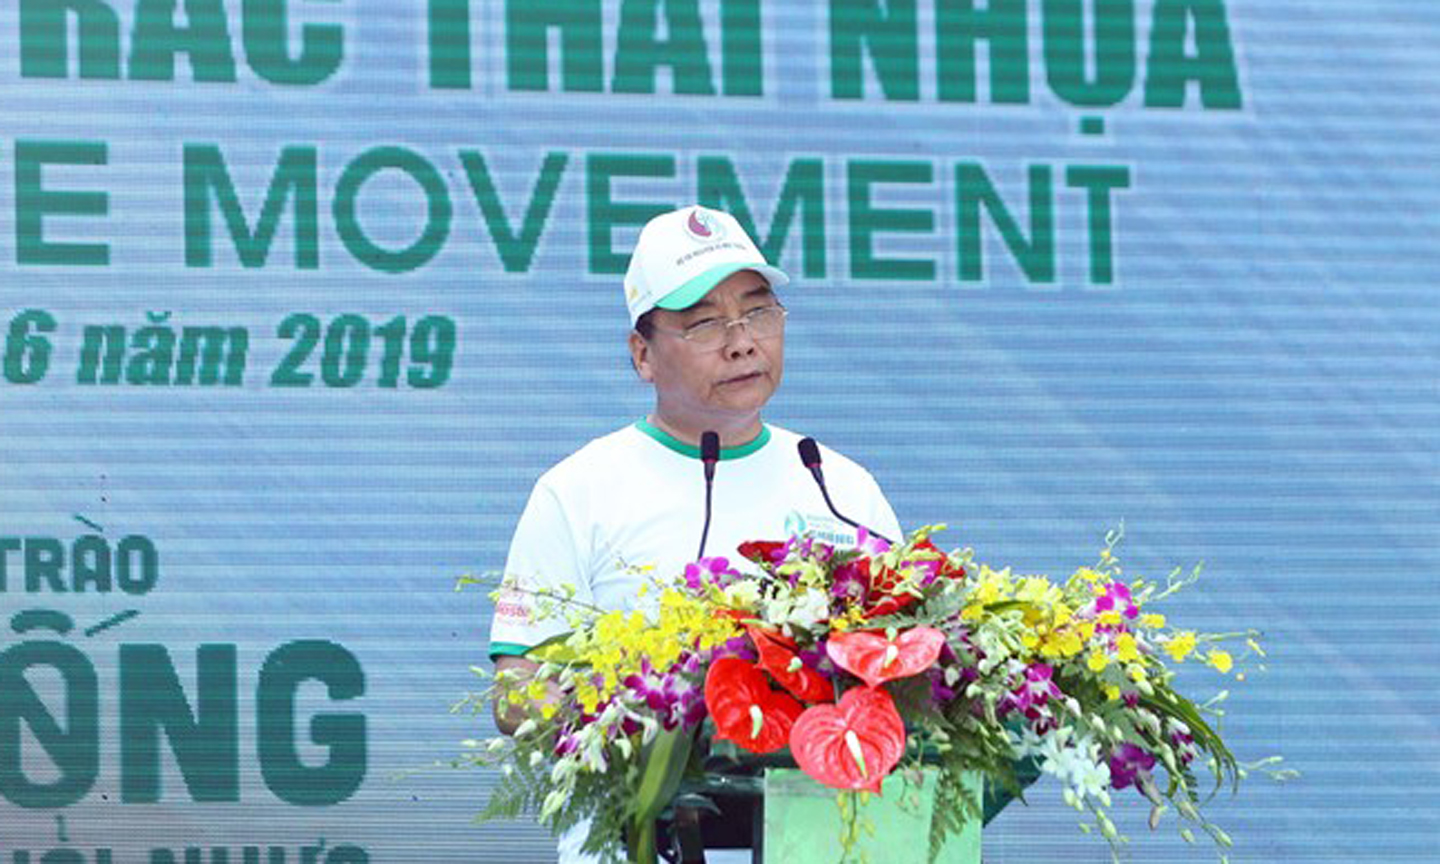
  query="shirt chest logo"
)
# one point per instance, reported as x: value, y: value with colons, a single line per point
x: 822, y: 527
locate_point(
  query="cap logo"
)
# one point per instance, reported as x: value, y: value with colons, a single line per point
x: 702, y: 226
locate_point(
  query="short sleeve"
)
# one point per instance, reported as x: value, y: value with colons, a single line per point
x: 545, y: 557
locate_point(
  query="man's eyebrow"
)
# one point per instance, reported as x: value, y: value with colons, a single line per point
x: 705, y: 304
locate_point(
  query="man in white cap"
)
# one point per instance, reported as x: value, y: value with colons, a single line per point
x: 709, y: 335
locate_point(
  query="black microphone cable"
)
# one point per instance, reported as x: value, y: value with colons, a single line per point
x: 810, y: 458
x: 709, y: 455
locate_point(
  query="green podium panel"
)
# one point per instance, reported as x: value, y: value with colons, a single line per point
x: 803, y: 822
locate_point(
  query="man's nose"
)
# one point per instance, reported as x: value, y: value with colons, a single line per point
x: 738, y: 341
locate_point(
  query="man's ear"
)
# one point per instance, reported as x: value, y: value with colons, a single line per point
x: 640, y: 356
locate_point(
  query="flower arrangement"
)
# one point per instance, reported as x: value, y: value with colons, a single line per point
x: 861, y: 663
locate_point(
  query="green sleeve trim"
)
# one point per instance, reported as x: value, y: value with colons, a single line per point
x: 726, y: 453
x: 508, y: 649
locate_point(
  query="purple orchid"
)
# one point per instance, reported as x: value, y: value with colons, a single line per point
x: 1032, y: 695
x: 714, y: 570
x: 1117, y: 598
x: 737, y: 646
x: 851, y: 581
x: 808, y: 547
x: 1183, y: 742
x: 869, y: 543
x: 675, y: 697
x: 818, y: 658
x: 1127, y: 763
x: 940, y: 692
x: 929, y: 567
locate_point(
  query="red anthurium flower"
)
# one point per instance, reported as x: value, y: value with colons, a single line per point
x: 852, y: 744
x: 882, y: 599
x: 933, y: 562
x: 875, y: 659
x: 888, y: 605
x: 779, y: 657
x: 763, y: 551
x: 745, y: 709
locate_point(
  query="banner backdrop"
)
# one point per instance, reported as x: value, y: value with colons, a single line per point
x: 297, y: 299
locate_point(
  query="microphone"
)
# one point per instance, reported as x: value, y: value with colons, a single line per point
x: 709, y: 455
x: 810, y: 458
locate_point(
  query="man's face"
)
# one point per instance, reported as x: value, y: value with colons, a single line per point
x: 703, y: 387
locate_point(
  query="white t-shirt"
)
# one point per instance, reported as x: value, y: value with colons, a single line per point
x: 636, y: 498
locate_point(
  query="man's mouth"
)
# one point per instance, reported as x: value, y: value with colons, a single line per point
x: 741, y: 379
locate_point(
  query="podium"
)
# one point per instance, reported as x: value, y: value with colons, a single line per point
x: 803, y: 823
x: 768, y: 806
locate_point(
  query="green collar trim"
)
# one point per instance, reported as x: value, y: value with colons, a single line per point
x: 726, y: 453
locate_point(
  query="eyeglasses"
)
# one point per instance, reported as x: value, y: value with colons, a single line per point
x: 762, y: 323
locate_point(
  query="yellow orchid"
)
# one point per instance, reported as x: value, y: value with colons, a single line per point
x: 1180, y: 645
x: 1219, y: 659
x: 1126, y: 649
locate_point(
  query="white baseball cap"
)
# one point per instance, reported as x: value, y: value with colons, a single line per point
x: 681, y: 255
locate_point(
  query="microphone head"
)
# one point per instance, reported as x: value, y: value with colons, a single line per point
x: 709, y: 447
x: 809, y: 453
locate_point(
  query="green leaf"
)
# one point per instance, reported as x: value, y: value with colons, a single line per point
x: 554, y: 649
x: 1206, y: 738
x: 664, y: 765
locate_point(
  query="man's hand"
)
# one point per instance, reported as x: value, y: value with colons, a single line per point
x: 509, y: 716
